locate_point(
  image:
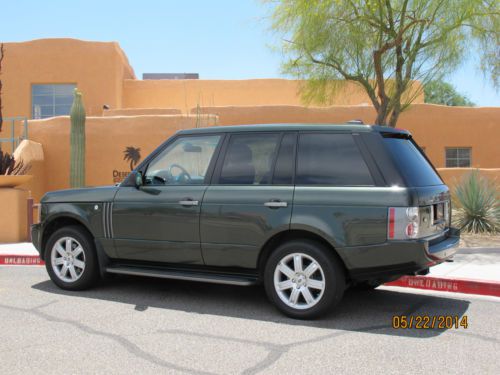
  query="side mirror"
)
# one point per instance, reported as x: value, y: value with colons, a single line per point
x: 138, y: 179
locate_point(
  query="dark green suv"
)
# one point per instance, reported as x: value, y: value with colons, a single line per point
x: 307, y: 210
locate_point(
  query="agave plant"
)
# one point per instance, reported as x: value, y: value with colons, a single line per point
x: 477, y: 205
x: 9, y: 166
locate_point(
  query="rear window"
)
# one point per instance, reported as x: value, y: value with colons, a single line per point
x: 415, y: 168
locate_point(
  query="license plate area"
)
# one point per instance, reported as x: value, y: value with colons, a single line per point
x: 438, y: 213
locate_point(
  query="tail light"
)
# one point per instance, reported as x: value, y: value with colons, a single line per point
x: 403, y: 223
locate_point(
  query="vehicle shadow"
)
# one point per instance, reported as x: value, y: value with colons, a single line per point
x: 359, y: 311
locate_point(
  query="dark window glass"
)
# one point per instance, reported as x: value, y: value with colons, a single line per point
x: 51, y: 100
x: 249, y: 159
x: 458, y: 157
x: 331, y: 159
x: 285, y: 163
x: 413, y: 165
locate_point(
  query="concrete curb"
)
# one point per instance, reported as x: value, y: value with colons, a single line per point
x: 441, y: 284
x: 444, y: 284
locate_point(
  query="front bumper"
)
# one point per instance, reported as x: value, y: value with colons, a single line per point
x: 398, y: 258
x: 36, y: 237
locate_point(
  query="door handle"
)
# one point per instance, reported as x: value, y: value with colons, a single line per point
x: 275, y: 204
x: 188, y: 202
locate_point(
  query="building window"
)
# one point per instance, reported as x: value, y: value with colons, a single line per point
x: 51, y: 100
x: 458, y: 157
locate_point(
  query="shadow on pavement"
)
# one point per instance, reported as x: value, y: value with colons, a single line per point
x: 359, y: 311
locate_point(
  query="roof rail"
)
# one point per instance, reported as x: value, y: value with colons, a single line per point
x: 357, y: 121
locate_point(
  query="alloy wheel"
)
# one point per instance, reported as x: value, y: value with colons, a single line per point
x: 68, y: 259
x: 299, y: 281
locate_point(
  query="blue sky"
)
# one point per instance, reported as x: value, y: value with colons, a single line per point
x: 220, y: 39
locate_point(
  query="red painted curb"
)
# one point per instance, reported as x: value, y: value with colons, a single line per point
x: 21, y: 260
x: 443, y: 284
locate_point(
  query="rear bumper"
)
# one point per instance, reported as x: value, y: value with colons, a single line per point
x: 397, y: 258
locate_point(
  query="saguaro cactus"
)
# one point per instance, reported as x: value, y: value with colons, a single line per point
x: 77, y: 139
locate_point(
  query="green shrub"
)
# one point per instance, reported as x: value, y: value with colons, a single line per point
x: 477, y: 206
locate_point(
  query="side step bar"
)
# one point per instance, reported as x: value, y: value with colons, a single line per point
x: 243, y: 280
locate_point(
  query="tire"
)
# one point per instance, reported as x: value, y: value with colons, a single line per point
x: 78, y: 269
x: 309, y: 292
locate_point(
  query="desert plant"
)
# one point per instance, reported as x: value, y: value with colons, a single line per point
x: 9, y: 165
x: 77, y: 140
x: 477, y: 205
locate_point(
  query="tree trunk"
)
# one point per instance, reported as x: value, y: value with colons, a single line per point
x: 1, y: 58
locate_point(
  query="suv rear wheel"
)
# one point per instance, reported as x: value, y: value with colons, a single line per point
x: 303, y: 279
x: 70, y: 258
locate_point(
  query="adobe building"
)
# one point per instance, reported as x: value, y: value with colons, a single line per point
x: 39, y: 76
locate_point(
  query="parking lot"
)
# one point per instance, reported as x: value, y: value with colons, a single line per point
x: 133, y: 325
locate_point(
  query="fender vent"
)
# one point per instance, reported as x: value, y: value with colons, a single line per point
x: 107, y: 219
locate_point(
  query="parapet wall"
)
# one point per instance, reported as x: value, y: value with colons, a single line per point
x: 435, y: 127
x: 107, y: 141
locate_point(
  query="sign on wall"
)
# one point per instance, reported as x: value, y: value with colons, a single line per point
x: 132, y: 155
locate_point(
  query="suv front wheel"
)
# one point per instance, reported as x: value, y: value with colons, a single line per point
x: 304, y: 279
x: 70, y: 259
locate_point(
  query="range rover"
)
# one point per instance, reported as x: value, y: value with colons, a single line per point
x: 307, y: 210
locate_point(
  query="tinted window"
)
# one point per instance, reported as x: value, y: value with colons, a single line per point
x: 331, y: 159
x: 285, y: 163
x: 413, y: 165
x: 249, y: 159
x: 51, y: 100
x: 458, y: 157
x: 184, y: 162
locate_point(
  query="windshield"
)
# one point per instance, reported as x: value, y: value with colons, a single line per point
x: 413, y: 165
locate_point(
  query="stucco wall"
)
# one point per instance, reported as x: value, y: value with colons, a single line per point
x: 141, y: 111
x: 453, y: 176
x: 107, y: 139
x: 185, y: 94
x: 98, y: 69
x: 433, y: 126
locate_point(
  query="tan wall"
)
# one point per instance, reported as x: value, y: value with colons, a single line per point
x: 433, y: 126
x: 13, y: 215
x: 141, y: 111
x: 185, y: 94
x: 107, y: 138
x: 97, y: 68
x: 453, y: 176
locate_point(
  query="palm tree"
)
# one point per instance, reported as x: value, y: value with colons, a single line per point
x: 133, y: 154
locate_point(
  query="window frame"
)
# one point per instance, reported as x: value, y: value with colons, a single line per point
x: 222, y: 156
x: 32, y: 109
x: 372, y: 168
x: 295, y: 135
x: 143, y: 167
x: 457, y: 158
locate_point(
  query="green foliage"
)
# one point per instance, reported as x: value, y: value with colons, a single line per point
x: 9, y: 166
x: 440, y: 92
x: 77, y: 140
x: 478, y: 208
x: 383, y: 46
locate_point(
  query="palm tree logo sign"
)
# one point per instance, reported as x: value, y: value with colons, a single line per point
x: 133, y: 155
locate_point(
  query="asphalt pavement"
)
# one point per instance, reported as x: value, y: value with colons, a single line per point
x: 137, y: 325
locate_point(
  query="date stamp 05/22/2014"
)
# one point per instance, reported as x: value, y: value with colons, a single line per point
x: 430, y: 322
